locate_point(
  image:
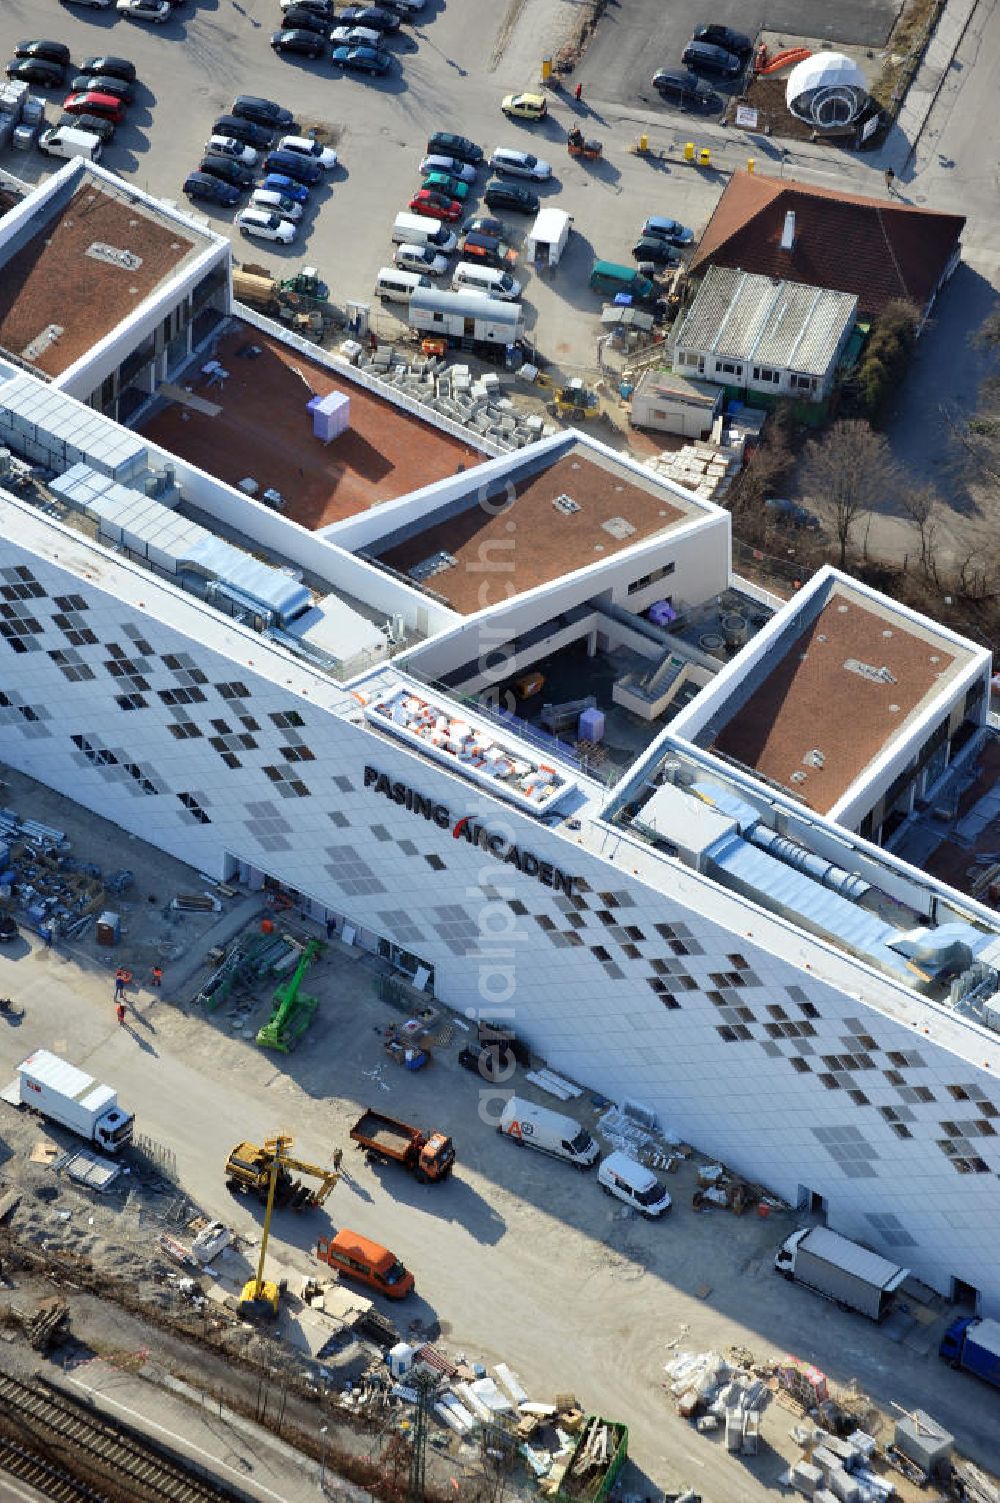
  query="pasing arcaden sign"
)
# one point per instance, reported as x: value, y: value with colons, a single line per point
x: 468, y: 828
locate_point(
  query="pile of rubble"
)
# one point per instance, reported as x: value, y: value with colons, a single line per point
x: 453, y: 391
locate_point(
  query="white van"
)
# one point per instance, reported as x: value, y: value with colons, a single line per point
x: 619, y: 1175
x: 414, y: 229
x: 397, y: 286
x: 64, y: 141
x: 265, y: 225
x: 486, y: 279
x: 550, y: 1132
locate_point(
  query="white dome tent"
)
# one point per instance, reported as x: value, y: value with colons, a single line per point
x: 827, y: 90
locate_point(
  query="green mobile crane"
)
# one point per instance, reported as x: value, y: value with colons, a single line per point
x: 293, y: 1008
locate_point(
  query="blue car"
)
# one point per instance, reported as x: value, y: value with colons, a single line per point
x: 277, y: 182
x: 203, y: 185
x: 293, y: 164
x: 362, y: 59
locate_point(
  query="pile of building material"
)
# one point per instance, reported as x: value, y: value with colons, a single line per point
x: 972, y: 1486
x: 836, y: 1469
x: 717, y: 1187
x: 705, y: 468
x: 43, y: 881
x: 475, y: 402
x: 46, y: 1326
x: 719, y: 1393
x: 22, y: 115
x: 629, y: 1128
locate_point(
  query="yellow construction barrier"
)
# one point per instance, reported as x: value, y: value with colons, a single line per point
x: 704, y: 157
x: 689, y: 151
x: 546, y: 69
x: 643, y: 143
x: 751, y: 164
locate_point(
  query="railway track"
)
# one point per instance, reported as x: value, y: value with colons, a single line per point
x: 44, y: 1414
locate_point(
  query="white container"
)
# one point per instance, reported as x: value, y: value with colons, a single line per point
x: 400, y: 1358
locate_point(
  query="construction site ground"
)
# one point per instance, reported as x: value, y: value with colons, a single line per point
x: 517, y: 1258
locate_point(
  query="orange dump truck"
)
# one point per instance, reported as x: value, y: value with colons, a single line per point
x: 385, y: 1140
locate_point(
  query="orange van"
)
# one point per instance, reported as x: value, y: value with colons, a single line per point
x: 355, y: 1257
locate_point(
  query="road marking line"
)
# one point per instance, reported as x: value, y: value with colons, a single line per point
x: 182, y: 1442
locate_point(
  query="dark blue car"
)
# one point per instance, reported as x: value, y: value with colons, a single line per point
x: 203, y: 185
x: 362, y: 59
x: 292, y: 164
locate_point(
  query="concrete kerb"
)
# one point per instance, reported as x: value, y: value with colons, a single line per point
x: 923, y: 93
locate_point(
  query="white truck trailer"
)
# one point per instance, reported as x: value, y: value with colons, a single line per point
x: 462, y: 316
x: 75, y: 1100
x: 841, y: 1270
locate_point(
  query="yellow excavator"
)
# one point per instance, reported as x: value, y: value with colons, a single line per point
x: 249, y: 1170
x: 265, y: 1171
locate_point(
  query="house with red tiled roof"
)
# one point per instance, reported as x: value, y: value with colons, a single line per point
x: 879, y: 250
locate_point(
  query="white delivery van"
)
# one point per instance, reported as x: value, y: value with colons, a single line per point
x: 415, y: 229
x: 550, y: 1132
x: 486, y: 279
x: 64, y: 141
x: 619, y: 1175
x: 398, y: 286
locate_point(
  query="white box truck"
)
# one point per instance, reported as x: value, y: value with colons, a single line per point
x: 550, y: 1132
x: 841, y: 1270
x: 75, y: 1100
x: 66, y: 141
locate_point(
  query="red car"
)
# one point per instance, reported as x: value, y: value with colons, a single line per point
x: 435, y: 205
x: 91, y: 103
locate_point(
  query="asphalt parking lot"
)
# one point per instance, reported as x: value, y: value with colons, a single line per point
x: 635, y: 37
x: 447, y: 76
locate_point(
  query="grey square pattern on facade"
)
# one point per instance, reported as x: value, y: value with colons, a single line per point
x: 351, y: 872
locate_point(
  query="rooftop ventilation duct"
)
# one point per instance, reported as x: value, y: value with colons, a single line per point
x: 788, y: 231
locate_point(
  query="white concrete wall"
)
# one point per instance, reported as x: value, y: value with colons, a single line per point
x: 736, y: 1094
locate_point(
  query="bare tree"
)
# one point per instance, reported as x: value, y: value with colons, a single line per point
x: 922, y: 506
x: 847, y: 473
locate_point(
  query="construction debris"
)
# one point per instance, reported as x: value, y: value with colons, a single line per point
x: 47, y: 1325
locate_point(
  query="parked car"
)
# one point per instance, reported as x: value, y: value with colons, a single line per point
x: 509, y: 163
x: 304, y: 43
x: 443, y: 182
x: 301, y: 18
x: 653, y: 251
x: 355, y: 36
x: 318, y: 7
x: 486, y: 250
x: 95, y: 104
x: 156, y: 11
x: 110, y: 67
x: 278, y: 182
x: 103, y: 84
x: 276, y: 203
x: 711, y: 59
x: 236, y: 173
x: 371, y: 60
x: 511, y: 196
x: 435, y: 206
x: 262, y: 111
x: 486, y: 224
x: 525, y: 106
x: 292, y: 164
x: 464, y: 171
x: 257, y: 136
x: 305, y: 146
x: 53, y: 52
x: 375, y: 16
x: 667, y: 229
x: 408, y: 7
x: 228, y: 146
x: 724, y: 36
x: 421, y: 258
x: 790, y: 513
x: 455, y: 146
x: 95, y: 125
x: 677, y: 86
x: 36, y: 70
x: 92, y: 4
x: 265, y: 226
x: 212, y: 189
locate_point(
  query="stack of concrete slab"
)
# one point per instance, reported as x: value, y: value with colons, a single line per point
x: 704, y: 468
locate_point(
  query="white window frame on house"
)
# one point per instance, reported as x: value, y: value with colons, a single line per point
x: 766, y: 373
x: 729, y: 368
